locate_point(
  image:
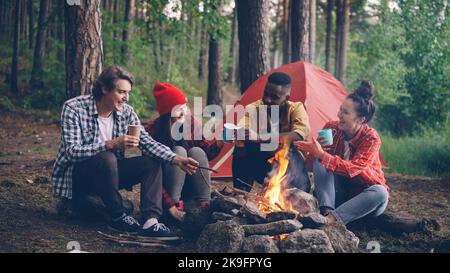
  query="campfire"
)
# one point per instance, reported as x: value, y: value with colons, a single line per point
x: 275, y: 218
x: 274, y: 193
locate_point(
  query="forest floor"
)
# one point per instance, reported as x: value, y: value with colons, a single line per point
x: 30, y: 223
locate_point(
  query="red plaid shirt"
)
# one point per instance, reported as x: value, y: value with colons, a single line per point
x: 364, y: 166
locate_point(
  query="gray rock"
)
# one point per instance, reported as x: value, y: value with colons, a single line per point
x: 273, y: 228
x: 221, y: 237
x: 312, y: 220
x: 306, y: 241
x: 302, y: 202
x: 342, y: 240
x: 259, y: 244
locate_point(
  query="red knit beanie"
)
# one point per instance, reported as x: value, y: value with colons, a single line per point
x: 167, y: 96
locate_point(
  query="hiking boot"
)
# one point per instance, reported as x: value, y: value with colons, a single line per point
x: 125, y: 224
x: 158, y: 231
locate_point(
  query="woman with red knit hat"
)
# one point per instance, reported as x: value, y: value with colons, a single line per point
x: 171, y: 104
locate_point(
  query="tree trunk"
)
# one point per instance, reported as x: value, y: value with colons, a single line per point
x: 39, y: 50
x: 15, y: 56
x: 329, y: 27
x: 161, y: 43
x: 286, y: 32
x: 276, y: 36
x: 116, y: 19
x: 2, y: 19
x: 23, y: 18
x: 214, y: 73
x: 8, y: 19
x: 155, y: 40
x: 312, y: 32
x: 60, y: 30
x: 337, y: 46
x: 343, y: 44
x: 84, y: 47
x: 300, y: 30
x: 202, y: 55
x: 128, y: 18
x: 233, y: 48
x: 253, y: 29
x: 30, y: 24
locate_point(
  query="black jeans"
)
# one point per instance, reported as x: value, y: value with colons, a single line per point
x: 250, y: 164
x: 104, y: 175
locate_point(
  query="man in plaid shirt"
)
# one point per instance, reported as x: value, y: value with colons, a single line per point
x: 91, y: 158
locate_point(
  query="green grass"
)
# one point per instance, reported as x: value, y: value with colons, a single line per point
x: 424, y: 155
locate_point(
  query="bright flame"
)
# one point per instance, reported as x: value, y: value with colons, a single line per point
x: 280, y: 236
x: 273, y: 194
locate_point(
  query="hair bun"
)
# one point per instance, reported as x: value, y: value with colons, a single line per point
x: 365, y: 90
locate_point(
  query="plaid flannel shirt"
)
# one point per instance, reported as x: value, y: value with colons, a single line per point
x: 364, y: 166
x: 80, y: 140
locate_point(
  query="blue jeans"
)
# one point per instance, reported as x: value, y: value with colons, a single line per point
x: 333, y: 190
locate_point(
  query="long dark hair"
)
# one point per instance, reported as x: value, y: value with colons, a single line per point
x: 163, y: 134
x: 362, y: 97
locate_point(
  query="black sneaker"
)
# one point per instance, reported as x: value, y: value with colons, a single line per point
x: 125, y: 224
x: 159, y: 231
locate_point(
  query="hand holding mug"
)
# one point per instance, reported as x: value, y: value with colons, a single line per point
x: 314, y: 148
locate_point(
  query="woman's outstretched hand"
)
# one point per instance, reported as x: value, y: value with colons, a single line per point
x: 314, y: 148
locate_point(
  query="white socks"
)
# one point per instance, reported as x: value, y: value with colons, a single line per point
x: 150, y: 222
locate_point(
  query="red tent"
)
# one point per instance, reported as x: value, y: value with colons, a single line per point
x: 319, y: 91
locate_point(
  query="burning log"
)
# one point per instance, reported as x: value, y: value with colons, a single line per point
x: 226, y: 204
x: 273, y: 228
x: 280, y: 215
x: 252, y: 212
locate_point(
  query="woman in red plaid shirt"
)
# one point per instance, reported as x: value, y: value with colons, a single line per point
x: 171, y: 104
x: 348, y: 177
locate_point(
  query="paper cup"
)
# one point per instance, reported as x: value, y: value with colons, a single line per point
x: 134, y: 130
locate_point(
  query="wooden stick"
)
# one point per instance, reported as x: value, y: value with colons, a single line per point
x: 207, y: 168
x: 131, y: 240
x: 239, y: 180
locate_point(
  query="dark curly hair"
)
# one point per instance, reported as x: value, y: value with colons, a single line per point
x: 362, y: 97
